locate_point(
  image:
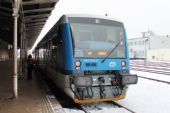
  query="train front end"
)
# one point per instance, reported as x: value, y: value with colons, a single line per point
x: 100, y: 60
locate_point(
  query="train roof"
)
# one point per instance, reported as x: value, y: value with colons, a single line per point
x: 91, y: 16
x: 64, y: 19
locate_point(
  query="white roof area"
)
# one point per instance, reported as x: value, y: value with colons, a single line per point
x: 92, y: 16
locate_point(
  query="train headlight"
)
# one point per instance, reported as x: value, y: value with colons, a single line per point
x: 83, y: 81
x: 123, y: 63
x: 77, y: 63
x: 129, y: 79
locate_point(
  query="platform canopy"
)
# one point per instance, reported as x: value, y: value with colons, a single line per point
x: 33, y: 14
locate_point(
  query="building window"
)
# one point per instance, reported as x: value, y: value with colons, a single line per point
x: 136, y: 53
x: 139, y: 53
x: 153, y: 57
x: 142, y: 53
x: 132, y: 43
x: 146, y: 42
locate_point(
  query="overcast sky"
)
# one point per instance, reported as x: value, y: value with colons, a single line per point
x: 137, y: 15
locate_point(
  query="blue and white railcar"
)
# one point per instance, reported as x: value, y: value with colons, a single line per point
x: 87, y: 57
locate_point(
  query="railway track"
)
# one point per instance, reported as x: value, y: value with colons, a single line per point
x: 154, y: 79
x: 152, y: 67
x: 150, y: 63
x: 69, y: 104
x: 119, y: 105
x: 84, y: 108
x: 151, y: 70
x: 94, y: 107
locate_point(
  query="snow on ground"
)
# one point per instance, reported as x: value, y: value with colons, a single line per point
x: 149, y: 61
x: 152, y: 75
x: 100, y: 107
x: 106, y: 110
x: 72, y: 110
x: 148, y: 96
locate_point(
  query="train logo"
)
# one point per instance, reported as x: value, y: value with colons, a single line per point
x: 112, y: 64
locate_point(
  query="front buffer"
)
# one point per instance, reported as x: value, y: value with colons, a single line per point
x: 95, y: 88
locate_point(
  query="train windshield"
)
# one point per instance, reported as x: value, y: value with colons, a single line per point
x: 95, y: 38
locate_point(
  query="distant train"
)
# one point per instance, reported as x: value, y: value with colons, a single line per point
x: 87, y: 58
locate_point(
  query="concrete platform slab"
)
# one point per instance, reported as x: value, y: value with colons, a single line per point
x: 34, y: 96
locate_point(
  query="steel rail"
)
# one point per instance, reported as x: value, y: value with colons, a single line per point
x: 151, y: 71
x: 155, y: 79
x: 121, y: 106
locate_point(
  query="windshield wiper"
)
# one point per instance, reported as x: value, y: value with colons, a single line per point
x: 112, y: 51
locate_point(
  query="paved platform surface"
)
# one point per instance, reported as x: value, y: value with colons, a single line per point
x: 34, y: 95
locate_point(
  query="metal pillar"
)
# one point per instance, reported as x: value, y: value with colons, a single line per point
x: 20, y: 67
x: 21, y: 51
x: 24, y: 53
x: 15, y: 71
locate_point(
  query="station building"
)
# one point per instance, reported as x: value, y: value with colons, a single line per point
x: 150, y: 47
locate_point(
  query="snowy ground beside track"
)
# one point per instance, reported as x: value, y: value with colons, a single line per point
x: 148, y: 96
x: 152, y: 75
x: 106, y: 110
x: 99, y: 107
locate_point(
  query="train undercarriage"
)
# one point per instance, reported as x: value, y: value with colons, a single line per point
x: 93, y: 87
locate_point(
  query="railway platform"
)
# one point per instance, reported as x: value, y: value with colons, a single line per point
x: 33, y: 95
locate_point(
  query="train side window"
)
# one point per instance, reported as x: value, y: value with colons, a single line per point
x: 53, y: 50
x: 59, y: 37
